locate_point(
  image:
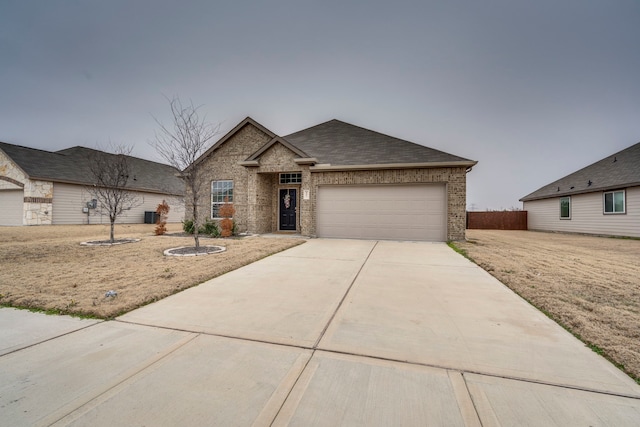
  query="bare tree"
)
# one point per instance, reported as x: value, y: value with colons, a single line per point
x: 110, y: 174
x: 181, y: 145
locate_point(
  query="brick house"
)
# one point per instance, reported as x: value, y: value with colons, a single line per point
x: 336, y: 180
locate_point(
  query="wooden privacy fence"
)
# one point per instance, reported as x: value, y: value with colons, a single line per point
x: 503, y: 220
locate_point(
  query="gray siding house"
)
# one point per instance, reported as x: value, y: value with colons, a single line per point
x: 40, y: 187
x: 602, y: 198
x: 336, y: 180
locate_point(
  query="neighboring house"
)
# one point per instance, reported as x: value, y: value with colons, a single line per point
x: 41, y: 187
x: 336, y: 180
x: 603, y: 198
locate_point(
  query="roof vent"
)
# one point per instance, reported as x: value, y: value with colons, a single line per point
x: 558, y: 189
x: 589, y: 183
x: 615, y: 159
x: 572, y: 187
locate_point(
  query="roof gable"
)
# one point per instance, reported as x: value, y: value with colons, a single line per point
x: 619, y: 170
x: 73, y: 165
x: 247, y: 121
x: 271, y: 143
x: 339, y: 143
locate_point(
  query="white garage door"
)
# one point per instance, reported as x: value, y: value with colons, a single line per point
x: 390, y: 212
x: 11, y: 207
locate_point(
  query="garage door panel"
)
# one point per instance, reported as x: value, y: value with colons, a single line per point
x: 394, y: 212
x: 11, y: 207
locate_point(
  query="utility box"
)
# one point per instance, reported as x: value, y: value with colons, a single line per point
x: 150, y: 217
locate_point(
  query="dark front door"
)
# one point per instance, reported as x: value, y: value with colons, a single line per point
x: 288, y: 202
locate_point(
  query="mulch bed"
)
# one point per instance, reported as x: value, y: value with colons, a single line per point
x: 192, y: 251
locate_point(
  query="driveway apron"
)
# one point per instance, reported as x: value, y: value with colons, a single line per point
x: 332, y: 332
x: 288, y: 298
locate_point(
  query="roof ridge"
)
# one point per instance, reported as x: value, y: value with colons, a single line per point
x: 29, y: 148
x: 340, y: 143
x: 372, y: 131
x: 107, y: 152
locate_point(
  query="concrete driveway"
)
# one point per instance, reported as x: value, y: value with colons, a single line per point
x: 332, y: 332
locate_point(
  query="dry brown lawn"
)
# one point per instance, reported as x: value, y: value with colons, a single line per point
x: 47, y: 268
x: 590, y: 285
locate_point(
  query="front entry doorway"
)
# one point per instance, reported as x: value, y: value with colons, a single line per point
x: 288, y: 207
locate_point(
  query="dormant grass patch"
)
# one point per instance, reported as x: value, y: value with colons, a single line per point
x: 45, y: 267
x: 590, y: 285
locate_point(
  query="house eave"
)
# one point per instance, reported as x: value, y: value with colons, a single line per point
x: 424, y: 165
x: 306, y: 161
x: 250, y: 163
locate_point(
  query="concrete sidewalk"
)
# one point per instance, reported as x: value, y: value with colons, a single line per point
x: 332, y: 332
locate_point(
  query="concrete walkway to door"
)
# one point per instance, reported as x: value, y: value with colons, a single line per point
x: 332, y: 332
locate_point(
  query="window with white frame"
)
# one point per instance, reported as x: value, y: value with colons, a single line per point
x: 291, y: 178
x: 565, y: 207
x: 221, y: 193
x: 614, y: 202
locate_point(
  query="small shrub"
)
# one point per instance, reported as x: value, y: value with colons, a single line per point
x: 226, y: 224
x: 187, y: 226
x: 163, y: 212
x: 210, y: 228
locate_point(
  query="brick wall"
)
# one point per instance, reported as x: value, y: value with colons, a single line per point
x: 223, y: 164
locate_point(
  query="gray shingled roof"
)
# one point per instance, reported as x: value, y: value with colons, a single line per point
x: 72, y: 165
x: 339, y: 143
x: 618, y: 170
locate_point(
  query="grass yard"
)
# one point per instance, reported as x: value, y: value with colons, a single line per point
x: 590, y: 285
x: 46, y: 268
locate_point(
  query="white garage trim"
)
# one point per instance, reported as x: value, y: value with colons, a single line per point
x: 11, y: 207
x: 385, y: 212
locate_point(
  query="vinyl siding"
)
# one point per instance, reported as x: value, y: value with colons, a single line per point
x: 586, y: 215
x: 68, y: 201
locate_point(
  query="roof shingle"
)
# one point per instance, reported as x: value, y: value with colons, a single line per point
x: 72, y: 165
x: 339, y: 143
x: 618, y: 170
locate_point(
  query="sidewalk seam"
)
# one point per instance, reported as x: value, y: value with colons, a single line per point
x: 344, y: 297
x: 53, y: 338
x: 473, y: 402
x: 63, y: 412
x: 324, y: 330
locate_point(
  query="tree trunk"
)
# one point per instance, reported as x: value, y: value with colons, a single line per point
x: 111, y: 235
x: 196, y: 222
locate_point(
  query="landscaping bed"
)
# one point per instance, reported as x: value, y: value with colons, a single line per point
x: 46, y: 267
x: 590, y: 285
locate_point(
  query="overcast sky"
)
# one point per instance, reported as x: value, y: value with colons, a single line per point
x: 532, y: 90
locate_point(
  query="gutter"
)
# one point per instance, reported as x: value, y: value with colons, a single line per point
x: 328, y: 167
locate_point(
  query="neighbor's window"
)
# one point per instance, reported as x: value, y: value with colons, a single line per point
x: 565, y: 207
x: 221, y: 192
x: 614, y: 202
x: 290, y: 178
